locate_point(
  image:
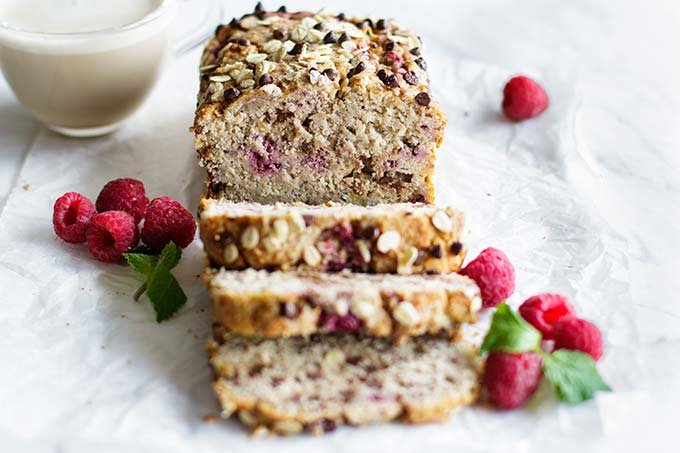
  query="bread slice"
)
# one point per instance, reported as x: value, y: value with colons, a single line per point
x: 315, y: 108
x: 291, y: 385
x: 405, y: 238
x: 275, y: 304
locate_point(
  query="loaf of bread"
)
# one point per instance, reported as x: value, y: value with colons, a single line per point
x: 297, y: 384
x: 275, y: 304
x: 314, y: 108
x: 405, y: 238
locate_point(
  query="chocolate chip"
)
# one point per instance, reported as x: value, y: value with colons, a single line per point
x: 262, y: 15
x: 282, y: 9
x: 391, y: 81
x: 255, y: 370
x: 411, y: 78
x: 235, y: 23
x: 231, y: 93
x: 279, y: 34
x: 423, y: 99
x: 266, y: 79
x: 331, y: 73
x: 341, y: 16
x: 456, y: 248
x: 415, y: 51
x: 328, y: 425
x: 420, y: 257
x: 320, y: 26
x: 382, y: 74
x: 420, y: 62
x: 390, y: 46
x: 361, y: 67
x: 382, y: 24
x: 436, y: 251
x: 218, y: 29
x: 330, y: 38
x: 343, y: 37
x: 288, y: 310
x: 365, y: 23
x: 297, y: 49
x: 370, y: 233
x: 259, y: 7
x: 242, y: 42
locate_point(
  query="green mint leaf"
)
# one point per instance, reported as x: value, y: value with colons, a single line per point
x: 170, y: 256
x: 142, y: 263
x: 574, y: 375
x: 510, y: 333
x: 164, y: 292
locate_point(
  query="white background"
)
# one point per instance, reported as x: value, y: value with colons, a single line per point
x: 585, y: 200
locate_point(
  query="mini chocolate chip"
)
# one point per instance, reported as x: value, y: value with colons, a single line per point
x: 259, y: 7
x: 235, y: 23
x: 242, y: 42
x: 415, y: 51
x: 411, y: 78
x: 365, y: 23
x: 343, y: 37
x: 231, y: 93
x: 261, y: 15
x: 420, y: 62
x: 382, y: 74
x: 361, y: 67
x: 266, y: 79
x: 288, y: 310
x: 341, y: 16
x: 218, y: 29
x: 279, y: 34
x: 328, y: 425
x: 456, y: 248
x: 436, y: 251
x: 282, y: 9
x: 371, y: 233
x: 320, y: 26
x: 255, y: 370
x: 391, y: 81
x: 423, y: 99
x: 382, y: 24
x: 297, y: 49
x: 331, y: 73
x: 330, y: 38
x: 390, y: 45
x: 420, y: 257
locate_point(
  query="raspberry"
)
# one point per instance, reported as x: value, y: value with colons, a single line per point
x: 124, y: 194
x: 334, y: 322
x: 543, y: 311
x: 578, y: 334
x: 167, y: 220
x: 111, y: 234
x: 71, y: 216
x: 494, y: 274
x: 523, y: 99
x: 511, y: 378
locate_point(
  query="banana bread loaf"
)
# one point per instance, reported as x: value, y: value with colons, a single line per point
x: 315, y: 108
x: 405, y: 238
x: 275, y: 304
x: 296, y: 384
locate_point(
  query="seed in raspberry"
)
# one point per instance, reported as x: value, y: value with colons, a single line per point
x: 523, y: 99
x: 512, y: 378
x: 543, y: 311
x: 578, y: 334
x: 71, y: 215
x: 167, y: 220
x: 494, y: 274
x: 111, y: 234
x: 124, y: 194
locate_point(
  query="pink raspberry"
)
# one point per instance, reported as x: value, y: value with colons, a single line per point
x: 71, y: 215
x: 578, y: 334
x: 523, y: 99
x: 543, y: 311
x: 511, y: 378
x: 167, y: 220
x: 494, y: 274
x: 124, y: 194
x: 111, y: 234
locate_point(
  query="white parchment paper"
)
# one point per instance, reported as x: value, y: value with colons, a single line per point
x: 584, y: 200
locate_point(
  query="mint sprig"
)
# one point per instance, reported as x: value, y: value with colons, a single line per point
x: 161, y: 287
x: 573, y: 373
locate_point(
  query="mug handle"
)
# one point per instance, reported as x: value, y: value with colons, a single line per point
x: 196, y: 23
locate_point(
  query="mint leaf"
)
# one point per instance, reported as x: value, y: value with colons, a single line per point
x: 574, y: 375
x: 164, y: 292
x: 510, y: 333
x: 170, y: 256
x: 141, y: 263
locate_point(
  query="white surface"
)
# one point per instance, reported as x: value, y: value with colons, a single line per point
x: 585, y: 200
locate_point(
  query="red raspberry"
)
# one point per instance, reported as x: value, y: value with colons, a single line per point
x: 578, y: 334
x: 167, y: 220
x: 523, y: 99
x: 71, y: 216
x: 494, y: 274
x: 544, y: 310
x: 511, y: 378
x: 111, y: 234
x: 124, y: 194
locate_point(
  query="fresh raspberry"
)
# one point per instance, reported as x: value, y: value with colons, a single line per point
x: 523, y: 99
x: 71, y: 216
x: 124, y: 194
x: 167, y: 220
x: 578, y: 334
x: 334, y: 322
x: 111, y: 234
x: 544, y: 310
x: 511, y: 378
x: 494, y: 274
